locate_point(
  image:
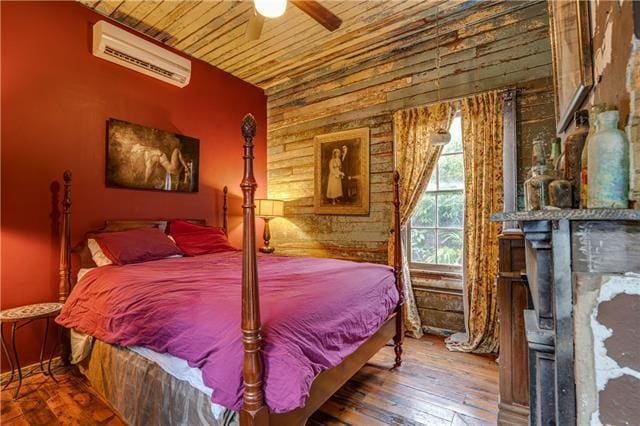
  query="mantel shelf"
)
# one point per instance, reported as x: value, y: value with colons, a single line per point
x: 571, y: 214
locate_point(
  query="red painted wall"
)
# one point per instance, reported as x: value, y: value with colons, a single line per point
x: 56, y: 98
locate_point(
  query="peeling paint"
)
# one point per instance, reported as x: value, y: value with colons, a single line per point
x: 602, y: 57
x: 606, y: 368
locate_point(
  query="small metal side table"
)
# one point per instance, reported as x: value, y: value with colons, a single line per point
x: 19, y: 317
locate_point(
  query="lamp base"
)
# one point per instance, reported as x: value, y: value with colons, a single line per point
x: 266, y: 236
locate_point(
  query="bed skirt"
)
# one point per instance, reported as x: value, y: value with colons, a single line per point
x: 143, y: 393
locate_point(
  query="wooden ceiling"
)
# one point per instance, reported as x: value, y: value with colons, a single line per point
x: 290, y: 45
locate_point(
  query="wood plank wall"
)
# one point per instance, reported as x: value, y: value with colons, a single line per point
x: 494, y: 45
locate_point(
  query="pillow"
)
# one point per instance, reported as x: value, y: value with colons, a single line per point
x: 97, y: 254
x: 136, y: 245
x: 195, y: 240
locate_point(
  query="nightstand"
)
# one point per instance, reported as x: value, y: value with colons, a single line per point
x: 19, y: 317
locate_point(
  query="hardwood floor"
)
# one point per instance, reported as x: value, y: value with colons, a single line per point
x: 433, y: 387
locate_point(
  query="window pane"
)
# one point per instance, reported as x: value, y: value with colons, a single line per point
x: 450, y: 172
x: 455, y: 145
x: 423, y: 245
x: 449, y: 247
x: 450, y: 209
x: 425, y: 213
x: 433, y: 181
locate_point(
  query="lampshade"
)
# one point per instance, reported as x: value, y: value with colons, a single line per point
x: 269, y: 208
x: 440, y: 137
x: 270, y: 8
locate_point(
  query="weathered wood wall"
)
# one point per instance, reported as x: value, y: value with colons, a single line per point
x: 492, y: 45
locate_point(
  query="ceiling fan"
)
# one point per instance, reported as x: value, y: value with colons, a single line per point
x: 276, y: 8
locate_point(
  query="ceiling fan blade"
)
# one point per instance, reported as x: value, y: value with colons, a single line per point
x: 318, y: 12
x: 254, y: 26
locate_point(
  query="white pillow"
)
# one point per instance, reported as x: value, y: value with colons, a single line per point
x: 98, y: 256
x: 100, y: 259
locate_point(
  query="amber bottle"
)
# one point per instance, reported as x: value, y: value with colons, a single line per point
x: 573, y: 146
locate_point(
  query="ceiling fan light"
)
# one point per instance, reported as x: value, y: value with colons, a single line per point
x: 440, y: 137
x: 270, y: 8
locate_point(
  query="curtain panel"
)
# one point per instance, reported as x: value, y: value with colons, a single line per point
x: 415, y: 159
x: 482, y: 145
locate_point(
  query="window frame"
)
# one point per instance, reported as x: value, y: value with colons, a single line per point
x: 434, y: 269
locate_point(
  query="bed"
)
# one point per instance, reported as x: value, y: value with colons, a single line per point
x: 273, y: 337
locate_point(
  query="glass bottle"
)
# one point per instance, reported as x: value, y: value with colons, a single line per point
x: 584, y: 159
x: 537, y: 186
x: 573, y: 146
x: 556, y: 156
x: 609, y: 164
x: 559, y: 188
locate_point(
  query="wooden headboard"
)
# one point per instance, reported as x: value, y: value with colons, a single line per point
x: 67, y: 276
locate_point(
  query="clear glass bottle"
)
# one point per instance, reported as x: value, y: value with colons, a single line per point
x: 573, y: 146
x: 609, y: 164
x: 584, y: 160
x: 559, y: 188
x: 537, y: 186
x: 556, y: 155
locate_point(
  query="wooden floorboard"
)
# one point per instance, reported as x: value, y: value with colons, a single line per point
x: 433, y: 387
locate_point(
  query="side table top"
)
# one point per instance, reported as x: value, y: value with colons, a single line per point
x: 37, y: 310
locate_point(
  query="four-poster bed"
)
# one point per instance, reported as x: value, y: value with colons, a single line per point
x: 255, y: 407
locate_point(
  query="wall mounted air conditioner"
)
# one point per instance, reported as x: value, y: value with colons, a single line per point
x: 121, y: 47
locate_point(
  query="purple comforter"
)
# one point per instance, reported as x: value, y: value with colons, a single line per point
x: 315, y: 312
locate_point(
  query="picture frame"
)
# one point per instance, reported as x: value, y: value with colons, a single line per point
x: 572, y: 57
x: 341, y: 170
x: 140, y: 157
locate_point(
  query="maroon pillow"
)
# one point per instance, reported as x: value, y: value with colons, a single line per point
x: 136, y: 245
x: 195, y: 240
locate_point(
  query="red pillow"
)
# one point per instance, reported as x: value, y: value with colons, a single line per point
x: 136, y: 245
x: 195, y: 240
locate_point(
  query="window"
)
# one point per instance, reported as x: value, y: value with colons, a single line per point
x: 435, y: 229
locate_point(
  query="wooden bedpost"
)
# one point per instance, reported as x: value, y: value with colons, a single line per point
x: 65, y: 241
x: 65, y: 265
x: 225, y: 209
x: 253, y: 411
x: 397, y: 268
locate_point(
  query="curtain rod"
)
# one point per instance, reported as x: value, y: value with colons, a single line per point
x: 502, y: 91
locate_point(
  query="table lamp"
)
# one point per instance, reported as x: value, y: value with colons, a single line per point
x: 267, y: 210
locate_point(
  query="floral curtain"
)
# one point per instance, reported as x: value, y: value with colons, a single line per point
x: 415, y: 159
x: 482, y: 146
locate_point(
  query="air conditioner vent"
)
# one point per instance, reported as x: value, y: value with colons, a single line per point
x: 138, y: 62
x: 124, y: 48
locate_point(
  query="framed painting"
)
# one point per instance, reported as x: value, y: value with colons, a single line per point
x: 141, y: 157
x: 342, y: 173
x: 572, y: 57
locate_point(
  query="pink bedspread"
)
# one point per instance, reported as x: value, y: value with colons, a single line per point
x: 314, y: 312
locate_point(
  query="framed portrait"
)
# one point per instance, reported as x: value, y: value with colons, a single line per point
x: 141, y: 157
x: 572, y: 57
x: 342, y: 173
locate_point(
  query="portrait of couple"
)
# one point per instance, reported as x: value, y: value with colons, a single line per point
x: 342, y: 172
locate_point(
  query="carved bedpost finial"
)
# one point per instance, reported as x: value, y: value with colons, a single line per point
x: 248, y: 128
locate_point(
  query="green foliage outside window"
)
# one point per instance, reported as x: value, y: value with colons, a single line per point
x: 436, y: 227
